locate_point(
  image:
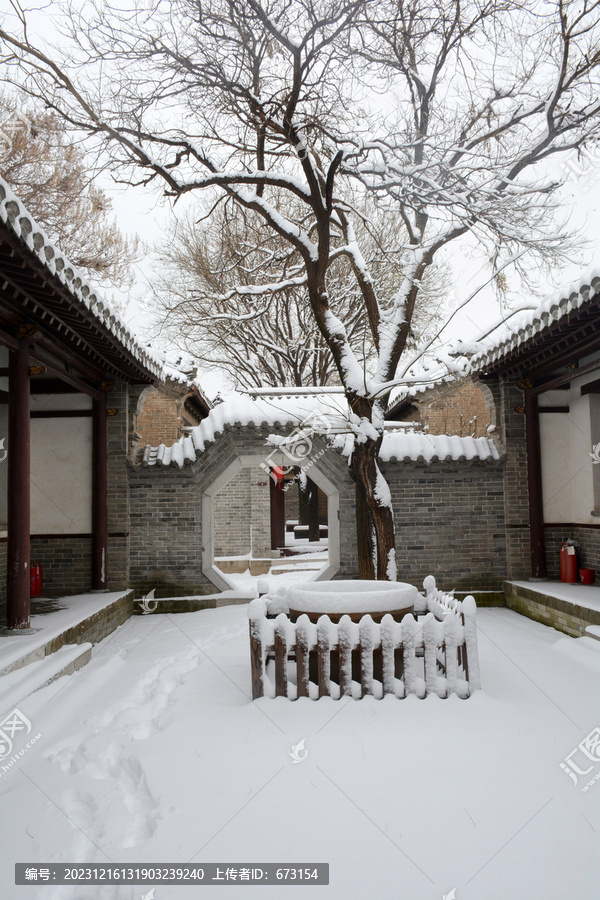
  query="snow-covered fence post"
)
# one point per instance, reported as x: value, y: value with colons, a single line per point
x: 324, y: 655
x: 281, y: 655
x: 368, y: 641
x: 388, y: 653
x: 451, y: 625
x: 430, y: 644
x: 302, y: 655
x: 345, y: 652
x: 470, y: 652
x: 257, y: 614
x: 409, y: 628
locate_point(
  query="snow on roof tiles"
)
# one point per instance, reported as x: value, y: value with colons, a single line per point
x: 418, y: 447
x: 522, y: 328
x: 14, y: 214
x: 241, y: 410
x: 323, y: 414
x: 534, y: 322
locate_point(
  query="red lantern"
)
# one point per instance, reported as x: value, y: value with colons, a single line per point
x: 279, y: 473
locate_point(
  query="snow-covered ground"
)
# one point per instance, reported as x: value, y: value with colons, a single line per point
x: 154, y: 753
x: 283, y: 572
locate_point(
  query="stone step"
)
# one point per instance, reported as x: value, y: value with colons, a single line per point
x: 22, y: 682
x: 593, y: 631
x: 171, y: 605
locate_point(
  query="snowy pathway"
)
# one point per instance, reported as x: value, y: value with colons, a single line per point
x: 154, y: 753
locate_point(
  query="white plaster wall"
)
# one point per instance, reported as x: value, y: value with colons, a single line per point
x: 61, y: 475
x: 566, y: 444
x: 61, y: 464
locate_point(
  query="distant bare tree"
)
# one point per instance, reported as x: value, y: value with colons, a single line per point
x: 212, y: 273
x: 49, y: 172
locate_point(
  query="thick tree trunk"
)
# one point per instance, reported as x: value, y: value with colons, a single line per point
x: 365, y: 473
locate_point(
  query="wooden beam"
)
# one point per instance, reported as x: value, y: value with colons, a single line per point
x: 561, y: 380
x: 59, y: 370
x: 592, y: 387
x: 51, y: 386
x: 54, y: 364
x: 61, y: 413
x: 46, y: 299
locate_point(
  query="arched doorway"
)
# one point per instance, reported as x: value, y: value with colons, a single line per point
x: 255, y: 497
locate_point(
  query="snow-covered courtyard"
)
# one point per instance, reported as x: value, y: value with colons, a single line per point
x: 154, y: 753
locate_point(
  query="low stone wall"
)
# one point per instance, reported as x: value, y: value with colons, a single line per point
x: 563, y: 615
x: 450, y: 518
x: 97, y: 626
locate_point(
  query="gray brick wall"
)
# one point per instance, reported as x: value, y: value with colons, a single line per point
x: 232, y: 520
x: 242, y: 505
x: 166, y: 532
x: 66, y: 563
x: 449, y: 521
x: 260, y: 506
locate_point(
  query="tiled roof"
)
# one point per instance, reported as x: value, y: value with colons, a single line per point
x: 532, y: 324
x: 312, y: 414
x: 16, y: 217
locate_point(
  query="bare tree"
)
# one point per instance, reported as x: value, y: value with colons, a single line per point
x: 211, y: 274
x: 447, y: 111
x: 49, y: 172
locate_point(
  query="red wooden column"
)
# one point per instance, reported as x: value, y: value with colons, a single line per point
x: 277, y: 515
x: 314, y: 532
x: 19, y: 516
x: 534, y: 485
x: 99, y: 496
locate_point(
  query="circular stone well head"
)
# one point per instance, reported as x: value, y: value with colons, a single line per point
x: 352, y: 598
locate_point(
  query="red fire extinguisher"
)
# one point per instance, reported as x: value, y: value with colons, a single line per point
x: 35, y: 580
x: 568, y: 562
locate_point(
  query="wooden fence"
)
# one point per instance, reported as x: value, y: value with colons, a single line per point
x: 434, y: 653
